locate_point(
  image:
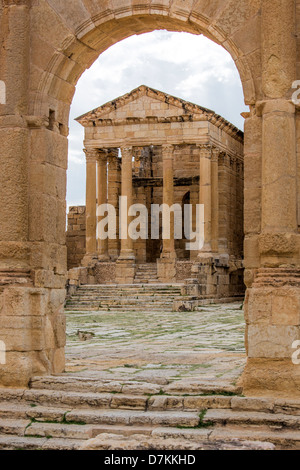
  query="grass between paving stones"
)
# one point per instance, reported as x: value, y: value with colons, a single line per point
x: 201, y: 423
x: 54, y: 421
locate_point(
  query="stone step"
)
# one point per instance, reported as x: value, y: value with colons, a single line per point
x: 283, y: 439
x: 129, y: 300
x: 133, y: 417
x: 15, y: 427
x: 122, y: 401
x: 82, y: 416
x: 286, y: 439
x: 151, y: 386
x: 34, y: 443
x: 144, y: 294
x: 80, y: 399
x: 31, y: 428
x: 127, y: 287
x: 273, y: 421
x: 119, y: 303
x: 142, y: 290
x: 66, y: 382
x: 145, y: 442
x: 116, y: 308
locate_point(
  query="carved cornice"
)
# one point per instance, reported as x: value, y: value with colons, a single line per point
x: 190, y: 113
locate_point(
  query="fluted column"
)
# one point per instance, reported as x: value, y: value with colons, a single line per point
x: 102, y: 199
x: 206, y: 195
x: 92, y: 156
x: 114, y: 191
x: 126, y: 191
x: 215, y: 200
x: 166, y: 265
x: 168, y: 199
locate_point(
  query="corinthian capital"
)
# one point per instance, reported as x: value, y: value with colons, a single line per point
x: 91, y: 155
x: 167, y: 151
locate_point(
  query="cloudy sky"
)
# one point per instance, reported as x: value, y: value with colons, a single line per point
x: 181, y: 64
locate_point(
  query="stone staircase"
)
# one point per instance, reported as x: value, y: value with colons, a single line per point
x: 69, y: 412
x: 122, y: 298
x: 146, y: 274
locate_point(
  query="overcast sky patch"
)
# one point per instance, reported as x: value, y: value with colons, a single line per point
x: 181, y: 64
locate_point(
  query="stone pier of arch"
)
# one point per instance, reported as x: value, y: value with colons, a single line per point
x: 47, y: 45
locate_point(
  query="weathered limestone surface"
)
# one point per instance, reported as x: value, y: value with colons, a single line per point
x: 185, y: 166
x: 46, y: 46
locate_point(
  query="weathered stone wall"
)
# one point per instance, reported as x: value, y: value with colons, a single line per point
x: 75, y: 239
x: 46, y: 46
x: 183, y: 270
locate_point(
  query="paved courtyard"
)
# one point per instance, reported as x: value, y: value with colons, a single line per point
x: 205, y: 346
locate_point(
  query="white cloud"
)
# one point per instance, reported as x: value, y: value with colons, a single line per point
x: 185, y: 65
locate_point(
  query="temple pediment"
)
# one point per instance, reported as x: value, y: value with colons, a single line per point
x: 145, y: 102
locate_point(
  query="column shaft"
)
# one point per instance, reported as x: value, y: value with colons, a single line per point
x: 126, y: 191
x: 114, y: 191
x: 206, y: 194
x: 91, y: 202
x: 168, y: 199
x: 102, y: 199
x: 215, y: 201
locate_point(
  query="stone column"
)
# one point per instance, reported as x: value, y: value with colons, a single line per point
x: 194, y: 200
x: 92, y: 156
x: 215, y: 200
x: 102, y: 199
x: 224, y: 204
x: 206, y: 195
x: 203, y: 269
x: 272, y: 302
x: 114, y: 191
x: 126, y: 191
x: 125, y: 270
x: 168, y: 199
x: 166, y: 267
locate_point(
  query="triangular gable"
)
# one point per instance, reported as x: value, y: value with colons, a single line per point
x: 143, y: 101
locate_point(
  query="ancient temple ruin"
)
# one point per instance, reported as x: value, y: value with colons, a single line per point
x: 158, y: 149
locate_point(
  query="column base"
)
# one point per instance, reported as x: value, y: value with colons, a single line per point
x: 89, y: 260
x: 125, y: 271
x: 166, y: 270
x: 103, y: 258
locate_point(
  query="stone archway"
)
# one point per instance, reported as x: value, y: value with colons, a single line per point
x: 46, y: 46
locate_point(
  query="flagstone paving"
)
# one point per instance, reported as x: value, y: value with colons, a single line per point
x: 206, y: 345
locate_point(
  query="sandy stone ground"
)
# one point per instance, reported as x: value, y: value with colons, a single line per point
x: 203, y: 346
